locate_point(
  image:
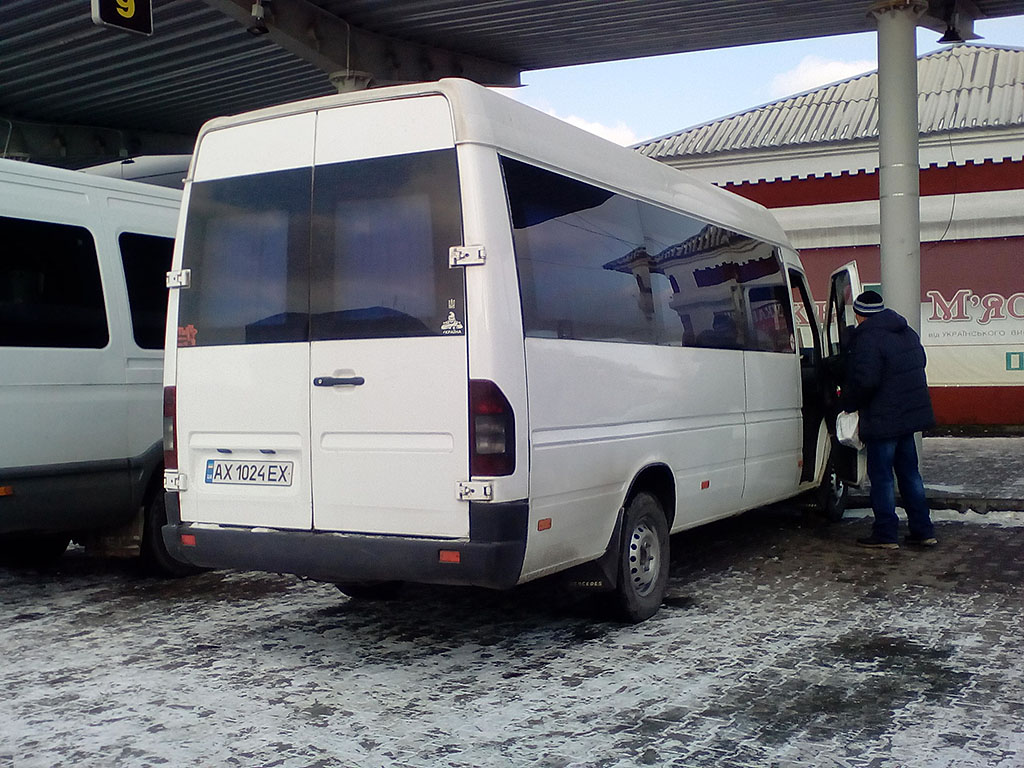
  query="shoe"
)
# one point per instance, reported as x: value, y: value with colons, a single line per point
x: 913, y: 541
x: 872, y: 543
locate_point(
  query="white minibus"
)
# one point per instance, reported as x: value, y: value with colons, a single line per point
x: 83, y: 263
x: 426, y: 333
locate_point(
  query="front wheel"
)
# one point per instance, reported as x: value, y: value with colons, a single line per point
x: 643, y: 559
x: 831, y: 494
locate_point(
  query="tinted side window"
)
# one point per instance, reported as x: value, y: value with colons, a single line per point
x: 729, y: 290
x: 51, y: 294
x: 382, y: 228
x: 771, y: 317
x: 584, y: 271
x: 596, y: 265
x: 805, y: 316
x: 146, y: 259
x: 247, y: 244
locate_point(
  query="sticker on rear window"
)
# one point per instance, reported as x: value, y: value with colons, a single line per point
x: 187, y: 335
x: 451, y: 326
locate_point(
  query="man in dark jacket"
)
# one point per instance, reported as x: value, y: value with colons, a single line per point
x: 885, y: 382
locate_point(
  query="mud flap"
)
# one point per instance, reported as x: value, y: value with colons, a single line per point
x: 599, y: 575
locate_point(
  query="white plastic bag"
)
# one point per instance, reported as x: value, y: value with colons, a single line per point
x: 847, y: 431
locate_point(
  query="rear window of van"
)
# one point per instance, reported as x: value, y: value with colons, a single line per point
x: 343, y: 251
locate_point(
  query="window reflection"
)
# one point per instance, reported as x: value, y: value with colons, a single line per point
x: 599, y: 266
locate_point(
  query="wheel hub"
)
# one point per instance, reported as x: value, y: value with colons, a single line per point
x: 644, y: 558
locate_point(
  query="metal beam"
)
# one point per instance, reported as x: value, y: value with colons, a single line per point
x: 353, y: 57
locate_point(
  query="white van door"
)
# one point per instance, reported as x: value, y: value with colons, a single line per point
x: 242, y: 358
x: 388, y: 385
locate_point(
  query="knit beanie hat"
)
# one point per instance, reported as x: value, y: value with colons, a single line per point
x: 868, y: 303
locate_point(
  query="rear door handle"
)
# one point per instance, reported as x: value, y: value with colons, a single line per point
x: 331, y: 381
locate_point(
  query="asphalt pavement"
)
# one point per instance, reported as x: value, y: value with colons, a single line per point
x: 781, y: 644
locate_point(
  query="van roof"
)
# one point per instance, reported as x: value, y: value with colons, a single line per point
x: 483, y: 116
x: 21, y: 172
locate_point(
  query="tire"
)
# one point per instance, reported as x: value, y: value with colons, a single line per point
x: 156, y: 560
x: 32, y: 550
x: 643, y: 560
x: 370, y: 590
x: 832, y: 495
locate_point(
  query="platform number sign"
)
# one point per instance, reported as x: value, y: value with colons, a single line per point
x: 130, y: 15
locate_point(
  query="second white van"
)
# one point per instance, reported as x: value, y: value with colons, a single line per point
x: 83, y: 263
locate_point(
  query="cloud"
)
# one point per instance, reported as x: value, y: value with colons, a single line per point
x: 620, y: 133
x: 814, y: 71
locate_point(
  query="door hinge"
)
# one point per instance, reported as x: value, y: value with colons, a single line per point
x: 175, y: 480
x: 466, y: 256
x: 475, y: 491
x: 179, y: 278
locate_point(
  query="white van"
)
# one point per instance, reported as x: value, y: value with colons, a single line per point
x: 426, y: 333
x: 82, y: 316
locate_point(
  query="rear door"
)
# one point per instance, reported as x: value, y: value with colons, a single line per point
x: 388, y: 375
x: 242, y: 363
x: 844, y: 287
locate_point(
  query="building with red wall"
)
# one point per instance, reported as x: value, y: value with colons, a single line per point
x: 813, y: 159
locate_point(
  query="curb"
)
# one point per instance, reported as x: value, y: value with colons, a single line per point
x: 961, y: 502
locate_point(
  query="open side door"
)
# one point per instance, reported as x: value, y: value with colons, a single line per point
x: 844, y: 286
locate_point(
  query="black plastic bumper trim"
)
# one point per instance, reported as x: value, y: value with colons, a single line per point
x: 492, y: 557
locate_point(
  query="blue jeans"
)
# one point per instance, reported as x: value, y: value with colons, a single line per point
x: 899, y: 455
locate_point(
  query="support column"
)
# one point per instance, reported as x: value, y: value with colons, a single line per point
x: 899, y: 165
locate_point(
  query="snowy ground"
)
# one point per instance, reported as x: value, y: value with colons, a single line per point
x: 781, y: 644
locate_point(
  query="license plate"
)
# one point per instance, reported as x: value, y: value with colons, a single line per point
x: 248, y: 472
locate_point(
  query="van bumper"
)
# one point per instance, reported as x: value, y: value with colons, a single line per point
x: 491, y: 557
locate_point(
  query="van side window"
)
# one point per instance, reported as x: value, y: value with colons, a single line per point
x: 146, y: 260
x: 51, y: 294
x: 584, y: 271
x: 599, y: 266
x: 806, y: 316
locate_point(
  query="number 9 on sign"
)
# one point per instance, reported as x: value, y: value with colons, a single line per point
x: 127, y: 15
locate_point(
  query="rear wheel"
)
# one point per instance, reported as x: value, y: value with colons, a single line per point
x: 156, y: 560
x: 32, y: 550
x: 643, y: 559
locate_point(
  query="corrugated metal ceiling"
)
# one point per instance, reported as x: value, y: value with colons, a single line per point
x: 965, y: 87
x: 56, y: 66
x: 538, y: 34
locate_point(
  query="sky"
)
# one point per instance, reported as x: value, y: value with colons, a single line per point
x: 630, y: 101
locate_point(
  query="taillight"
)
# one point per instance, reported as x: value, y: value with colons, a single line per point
x: 492, y: 430
x: 170, y: 428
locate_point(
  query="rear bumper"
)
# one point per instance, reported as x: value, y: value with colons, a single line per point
x: 492, y: 557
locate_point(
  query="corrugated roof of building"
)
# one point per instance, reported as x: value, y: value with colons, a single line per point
x: 962, y: 88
